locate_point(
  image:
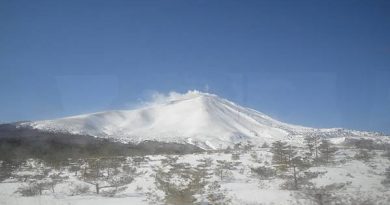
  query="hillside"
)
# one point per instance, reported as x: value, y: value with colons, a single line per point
x: 197, y: 118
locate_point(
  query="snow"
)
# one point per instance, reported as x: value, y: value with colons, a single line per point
x: 361, y: 179
x: 202, y: 119
x: 211, y: 122
x: 75, y: 200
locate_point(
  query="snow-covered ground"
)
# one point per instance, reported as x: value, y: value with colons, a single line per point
x: 214, y: 124
x: 347, y: 179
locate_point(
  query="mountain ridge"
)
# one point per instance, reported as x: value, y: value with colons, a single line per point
x: 198, y: 118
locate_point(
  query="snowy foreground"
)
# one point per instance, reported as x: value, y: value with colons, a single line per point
x: 222, y: 177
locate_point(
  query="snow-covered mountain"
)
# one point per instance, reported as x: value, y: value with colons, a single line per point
x: 202, y: 119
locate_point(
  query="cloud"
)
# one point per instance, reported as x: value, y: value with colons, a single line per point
x: 161, y: 98
x: 158, y: 98
x: 154, y: 98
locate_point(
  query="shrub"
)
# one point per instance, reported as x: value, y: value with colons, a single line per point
x: 112, y: 191
x: 265, y: 145
x: 235, y: 156
x: 29, y: 190
x: 223, y: 170
x: 363, y: 155
x: 79, y: 189
x: 289, y: 184
x: 312, y: 175
x: 182, y: 190
x: 216, y: 195
x: 263, y: 172
x: 386, y: 181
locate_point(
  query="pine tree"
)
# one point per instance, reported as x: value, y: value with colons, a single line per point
x: 280, y: 154
x: 264, y: 145
x: 99, y: 173
x: 181, y: 191
x: 327, y: 150
x: 295, y: 163
x: 223, y: 169
x: 313, y: 142
x: 75, y: 167
x: 386, y: 154
x: 263, y: 172
x: 217, y: 196
x: 363, y: 155
x: 386, y: 181
x: 204, y: 169
x: 235, y: 155
x: 286, y: 158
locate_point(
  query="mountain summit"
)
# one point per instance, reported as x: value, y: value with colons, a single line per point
x: 198, y: 118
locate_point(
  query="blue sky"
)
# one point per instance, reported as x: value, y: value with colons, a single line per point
x: 313, y: 63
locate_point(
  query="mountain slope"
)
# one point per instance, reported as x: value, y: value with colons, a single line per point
x: 203, y: 119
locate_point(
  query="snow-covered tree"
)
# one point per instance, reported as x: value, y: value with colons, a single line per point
x: 223, y: 169
x: 37, y: 177
x: 204, y: 168
x: 216, y: 195
x: 169, y: 161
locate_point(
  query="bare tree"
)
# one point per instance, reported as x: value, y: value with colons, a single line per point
x: 38, y: 176
x: 55, y: 179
